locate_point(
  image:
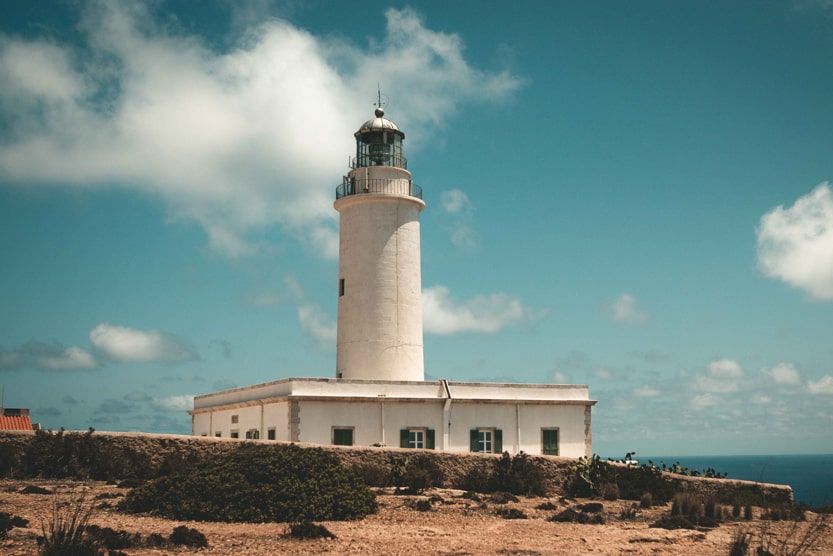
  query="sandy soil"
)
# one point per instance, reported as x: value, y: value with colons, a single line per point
x: 455, y: 525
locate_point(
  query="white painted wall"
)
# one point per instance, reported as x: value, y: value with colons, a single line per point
x: 380, y: 313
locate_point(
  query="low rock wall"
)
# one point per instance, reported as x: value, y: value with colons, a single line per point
x: 120, y: 455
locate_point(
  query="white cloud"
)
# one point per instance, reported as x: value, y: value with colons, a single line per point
x: 454, y: 201
x: 485, y: 313
x: 702, y: 401
x: 761, y: 399
x: 824, y: 386
x: 724, y: 376
x: 174, y: 403
x: 725, y: 368
x: 9, y: 360
x: 795, y: 244
x: 560, y: 377
x: 784, y: 373
x: 70, y: 358
x: 645, y: 392
x: 222, y: 137
x: 317, y: 324
x: 626, y: 310
x: 123, y: 344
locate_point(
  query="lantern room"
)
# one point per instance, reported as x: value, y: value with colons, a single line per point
x: 379, y: 143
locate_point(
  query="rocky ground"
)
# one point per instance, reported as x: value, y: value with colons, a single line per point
x: 453, y: 525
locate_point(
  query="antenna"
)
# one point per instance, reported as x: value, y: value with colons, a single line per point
x: 379, y: 104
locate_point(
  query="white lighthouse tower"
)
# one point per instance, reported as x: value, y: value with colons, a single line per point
x: 379, y: 288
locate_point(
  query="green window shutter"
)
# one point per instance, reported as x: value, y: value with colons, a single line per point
x: 429, y: 439
x: 473, y: 440
x: 550, y: 439
x: 498, y: 441
x: 403, y: 438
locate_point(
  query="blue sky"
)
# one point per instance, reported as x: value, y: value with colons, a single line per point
x: 632, y: 196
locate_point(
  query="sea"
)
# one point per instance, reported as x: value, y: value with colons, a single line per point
x: 811, y: 476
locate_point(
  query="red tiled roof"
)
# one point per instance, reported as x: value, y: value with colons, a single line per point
x: 15, y: 423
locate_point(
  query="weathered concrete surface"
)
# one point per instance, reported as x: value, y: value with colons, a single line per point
x: 118, y: 455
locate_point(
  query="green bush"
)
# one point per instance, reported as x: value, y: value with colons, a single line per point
x: 373, y: 474
x: 258, y: 483
x: 308, y: 530
x: 8, y: 522
x: 421, y: 472
x: 188, y: 536
x: 520, y: 474
x: 590, y: 477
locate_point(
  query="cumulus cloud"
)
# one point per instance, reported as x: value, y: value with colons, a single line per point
x: 70, y: 358
x: 223, y: 137
x: 823, y: 386
x: 137, y: 397
x: 626, y: 310
x: 47, y: 412
x: 485, y: 314
x: 174, y: 403
x: 69, y: 400
x: 51, y: 357
x: 723, y: 376
x: 784, y: 373
x: 455, y: 201
x: 123, y: 344
x: 795, y: 244
x: 645, y: 392
x: 111, y: 406
x: 460, y: 209
x: 702, y: 401
x: 318, y: 324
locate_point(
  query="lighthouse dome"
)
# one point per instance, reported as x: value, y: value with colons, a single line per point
x: 379, y: 123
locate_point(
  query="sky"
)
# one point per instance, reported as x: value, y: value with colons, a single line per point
x: 634, y: 196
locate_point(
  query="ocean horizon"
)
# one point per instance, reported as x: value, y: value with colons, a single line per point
x: 810, y: 476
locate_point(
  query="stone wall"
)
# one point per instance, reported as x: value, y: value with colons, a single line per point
x: 111, y: 455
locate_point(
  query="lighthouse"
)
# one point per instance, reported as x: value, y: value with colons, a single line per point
x: 379, y: 396
x: 379, y: 284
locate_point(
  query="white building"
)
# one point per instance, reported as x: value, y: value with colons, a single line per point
x: 379, y: 395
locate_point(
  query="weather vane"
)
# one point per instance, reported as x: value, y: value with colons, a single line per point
x: 379, y: 104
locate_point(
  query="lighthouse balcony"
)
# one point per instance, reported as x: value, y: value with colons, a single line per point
x: 379, y: 186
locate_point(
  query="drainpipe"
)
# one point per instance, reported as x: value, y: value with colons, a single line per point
x: 211, y: 423
x: 261, y: 436
x: 446, y: 415
x: 382, y: 422
x: 517, y: 428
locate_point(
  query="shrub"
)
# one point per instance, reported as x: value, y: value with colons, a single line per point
x: 419, y: 504
x: 740, y: 543
x: 111, y: 538
x: 65, y: 532
x: 503, y: 497
x: 510, y: 513
x: 520, y: 474
x: 570, y: 515
x: 736, y: 510
x: 591, y: 507
x: 9, y: 521
x: 646, y: 500
x: 687, y: 505
x: 747, y: 512
x: 674, y: 522
x: 629, y: 513
x: 256, y: 483
x: 34, y: 489
x: 188, y: 536
x: 373, y: 474
x: 609, y: 491
x: 546, y: 506
x: 308, y: 530
x: 421, y: 472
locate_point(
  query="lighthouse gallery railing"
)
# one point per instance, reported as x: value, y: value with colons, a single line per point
x: 379, y: 186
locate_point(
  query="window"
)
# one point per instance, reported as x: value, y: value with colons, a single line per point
x: 234, y: 419
x: 235, y: 434
x: 252, y: 434
x: 218, y: 434
x: 341, y: 287
x: 486, y: 440
x: 204, y: 434
x: 270, y: 434
x: 417, y: 438
x: 549, y: 442
x: 343, y: 436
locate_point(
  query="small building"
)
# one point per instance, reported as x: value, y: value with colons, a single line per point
x: 379, y: 395
x: 15, y: 419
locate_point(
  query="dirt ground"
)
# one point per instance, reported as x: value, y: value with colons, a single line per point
x: 454, y: 525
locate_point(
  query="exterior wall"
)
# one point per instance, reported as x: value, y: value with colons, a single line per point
x: 276, y: 415
x: 568, y: 419
x: 380, y: 313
